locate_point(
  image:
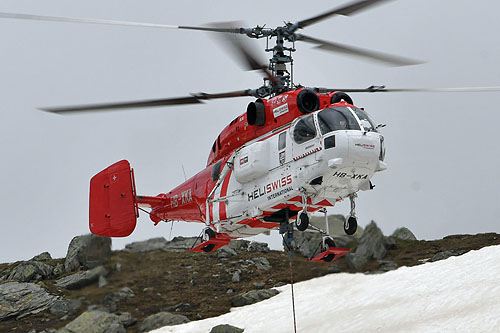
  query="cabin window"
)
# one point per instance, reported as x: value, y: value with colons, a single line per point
x: 365, y: 120
x: 336, y: 119
x: 216, y: 171
x: 282, y: 141
x: 304, y: 129
x: 213, y: 147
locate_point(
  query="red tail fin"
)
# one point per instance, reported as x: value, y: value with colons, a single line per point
x: 113, y: 208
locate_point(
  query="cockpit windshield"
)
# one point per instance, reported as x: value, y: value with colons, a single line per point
x: 336, y: 119
x: 365, y: 120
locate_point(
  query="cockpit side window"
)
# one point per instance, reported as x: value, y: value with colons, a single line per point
x: 365, y: 120
x: 337, y: 119
x: 304, y: 130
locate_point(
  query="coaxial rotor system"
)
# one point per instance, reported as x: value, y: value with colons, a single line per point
x: 278, y: 76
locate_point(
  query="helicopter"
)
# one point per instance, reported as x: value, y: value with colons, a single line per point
x: 296, y: 150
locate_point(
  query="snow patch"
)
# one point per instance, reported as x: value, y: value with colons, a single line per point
x: 459, y: 294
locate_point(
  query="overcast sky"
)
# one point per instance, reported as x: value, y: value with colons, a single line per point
x: 442, y: 149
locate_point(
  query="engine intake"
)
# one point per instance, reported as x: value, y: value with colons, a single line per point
x: 256, y: 113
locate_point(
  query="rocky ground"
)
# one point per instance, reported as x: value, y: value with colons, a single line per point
x: 156, y: 283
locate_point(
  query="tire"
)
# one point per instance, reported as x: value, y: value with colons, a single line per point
x: 208, y: 234
x: 302, y: 221
x: 208, y: 248
x: 328, y: 244
x: 350, y: 225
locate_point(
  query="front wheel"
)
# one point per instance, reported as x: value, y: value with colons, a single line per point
x: 302, y: 221
x: 207, y: 235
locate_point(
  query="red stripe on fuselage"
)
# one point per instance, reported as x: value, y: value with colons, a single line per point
x: 223, y: 193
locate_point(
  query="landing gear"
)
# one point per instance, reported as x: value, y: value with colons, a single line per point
x: 351, y: 222
x: 207, y: 235
x: 327, y: 244
x: 302, y: 221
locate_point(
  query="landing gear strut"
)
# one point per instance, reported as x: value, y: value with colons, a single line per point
x: 351, y: 222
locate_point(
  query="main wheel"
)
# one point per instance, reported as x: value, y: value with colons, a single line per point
x: 328, y: 244
x: 302, y: 221
x: 350, y: 225
x: 206, y: 236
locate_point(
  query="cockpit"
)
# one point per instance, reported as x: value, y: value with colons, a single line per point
x: 329, y: 120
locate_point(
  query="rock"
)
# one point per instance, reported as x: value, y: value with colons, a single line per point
x: 161, y: 319
x: 87, y: 251
x: 181, y: 307
x: 226, y: 252
x: 259, y: 285
x: 110, y: 301
x: 371, y: 245
x: 305, y: 243
x: 44, y: 256
x: 387, y: 265
x: 22, y: 299
x: 81, y: 279
x: 239, y: 245
x: 279, y: 284
x: 333, y: 270
x: 262, y: 263
x: 31, y: 271
x: 404, y: 234
x: 94, y: 321
x: 446, y: 254
x: 63, y: 306
x: 126, y: 319
x: 236, y: 276
x: 258, y: 247
x: 102, y: 282
x: 153, y: 244
x: 58, y: 270
x: 225, y: 328
x: 180, y: 243
x: 253, y: 296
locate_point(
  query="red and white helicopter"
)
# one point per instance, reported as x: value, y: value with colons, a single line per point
x: 295, y: 151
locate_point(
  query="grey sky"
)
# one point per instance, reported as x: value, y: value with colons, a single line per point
x: 442, y: 149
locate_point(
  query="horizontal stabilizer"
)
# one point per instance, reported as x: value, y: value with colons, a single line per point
x: 113, y: 208
x: 330, y: 254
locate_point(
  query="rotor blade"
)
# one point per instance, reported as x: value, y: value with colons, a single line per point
x: 112, y: 22
x: 345, y: 10
x: 243, y: 51
x: 385, y: 58
x: 373, y: 89
x: 193, y: 99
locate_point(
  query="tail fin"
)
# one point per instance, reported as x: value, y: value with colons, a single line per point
x: 113, y: 207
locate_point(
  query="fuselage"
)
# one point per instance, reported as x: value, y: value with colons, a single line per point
x: 293, y: 160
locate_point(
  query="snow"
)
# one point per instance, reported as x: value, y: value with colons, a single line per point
x: 459, y: 294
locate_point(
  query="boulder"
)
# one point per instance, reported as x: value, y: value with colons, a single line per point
x: 180, y: 243
x: 371, y: 245
x: 87, y: 251
x: 253, y: 296
x: 262, y: 263
x: 181, y: 307
x: 22, y: 299
x: 126, y: 319
x: 153, y: 244
x: 161, y: 319
x: 226, y: 252
x: 305, y: 243
x: 239, y: 245
x: 258, y: 247
x: 446, y: 254
x: 94, y: 321
x: 225, y: 328
x: 404, y: 234
x: 81, y: 279
x: 110, y: 301
x: 386, y: 265
x: 44, y: 256
x: 63, y: 306
x: 31, y: 271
